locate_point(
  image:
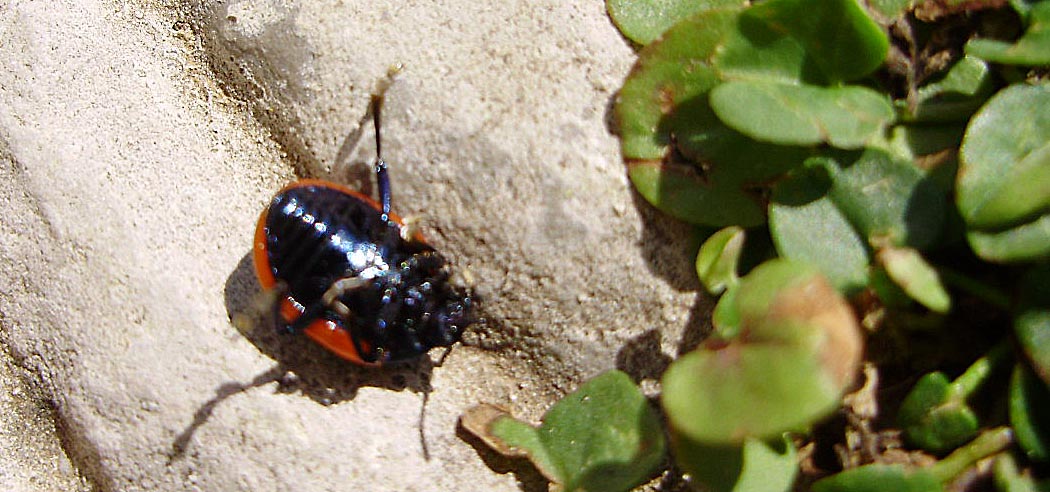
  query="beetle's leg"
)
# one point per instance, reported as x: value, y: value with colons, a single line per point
x: 331, y: 300
x: 331, y: 296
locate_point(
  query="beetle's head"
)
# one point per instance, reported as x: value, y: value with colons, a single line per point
x: 450, y: 319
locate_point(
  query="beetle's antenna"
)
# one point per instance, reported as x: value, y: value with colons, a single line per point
x: 376, y: 107
x: 422, y: 426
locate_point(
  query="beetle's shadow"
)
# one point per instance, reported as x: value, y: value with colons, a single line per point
x: 304, y: 366
x: 301, y: 365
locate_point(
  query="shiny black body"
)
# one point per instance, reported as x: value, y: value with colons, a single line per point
x: 317, y: 233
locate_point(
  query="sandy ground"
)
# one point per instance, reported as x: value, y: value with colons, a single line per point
x: 140, y: 140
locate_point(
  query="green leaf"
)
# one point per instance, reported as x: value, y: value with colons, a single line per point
x: 797, y: 349
x: 888, y: 292
x: 1030, y: 413
x: 757, y: 50
x: 790, y: 114
x: 935, y: 417
x: 525, y: 440
x: 603, y: 437
x: 806, y: 225
x: 1025, y: 242
x: 726, y: 316
x: 717, y: 260
x: 890, y: 201
x: 911, y: 142
x: 831, y: 214
x: 917, y: 278
x: 709, y: 177
x: 1032, y: 49
x: 681, y: 192
x: 668, y: 73
x: 509, y: 437
x: 879, y: 478
x: 955, y: 96
x: 756, y: 466
x: 642, y: 21
x: 1032, y: 320
x: 1004, y: 173
x: 839, y: 39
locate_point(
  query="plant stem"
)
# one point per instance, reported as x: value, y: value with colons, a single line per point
x: 986, y: 444
x: 978, y: 372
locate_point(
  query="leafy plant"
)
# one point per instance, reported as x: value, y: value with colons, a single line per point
x: 605, y: 436
x: 898, y: 154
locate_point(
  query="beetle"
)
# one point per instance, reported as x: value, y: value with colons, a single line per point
x: 354, y: 276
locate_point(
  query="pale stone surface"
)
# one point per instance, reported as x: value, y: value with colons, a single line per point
x: 139, y: 141
x: 31, y: 457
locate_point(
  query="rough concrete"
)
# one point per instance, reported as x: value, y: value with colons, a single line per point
x: 141, y: 139
x: 31, y: 456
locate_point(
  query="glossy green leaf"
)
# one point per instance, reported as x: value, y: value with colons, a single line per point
x: 709, y: 177
x: 525, y: 440
x: 717, y: 260
x: 725, y: 319
x: 1003, y: 188
x: 840, y: 42
x: 917, y: 278
x: 1025, y: 242
x: 668, y: 73
x: 918, y: 141
x: 1023, y: 8
x: 845, y: 117
x: 681, y: 192
x: 954, y: 96
x: 727, y: 156
x: 798, y: 348
x: 642, y: 21
x: 756, y: 466
x: 756, y: 50
x: 1032, y: 320
x: 806, y: 225
x: 1030, y: 413
x: 935, y: 416
x: 603, y: 437
x: 879, y: 478
x: 832, y: 214
x: 1032, y: 49
x: 889, y: 201
x: 888, y: 292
